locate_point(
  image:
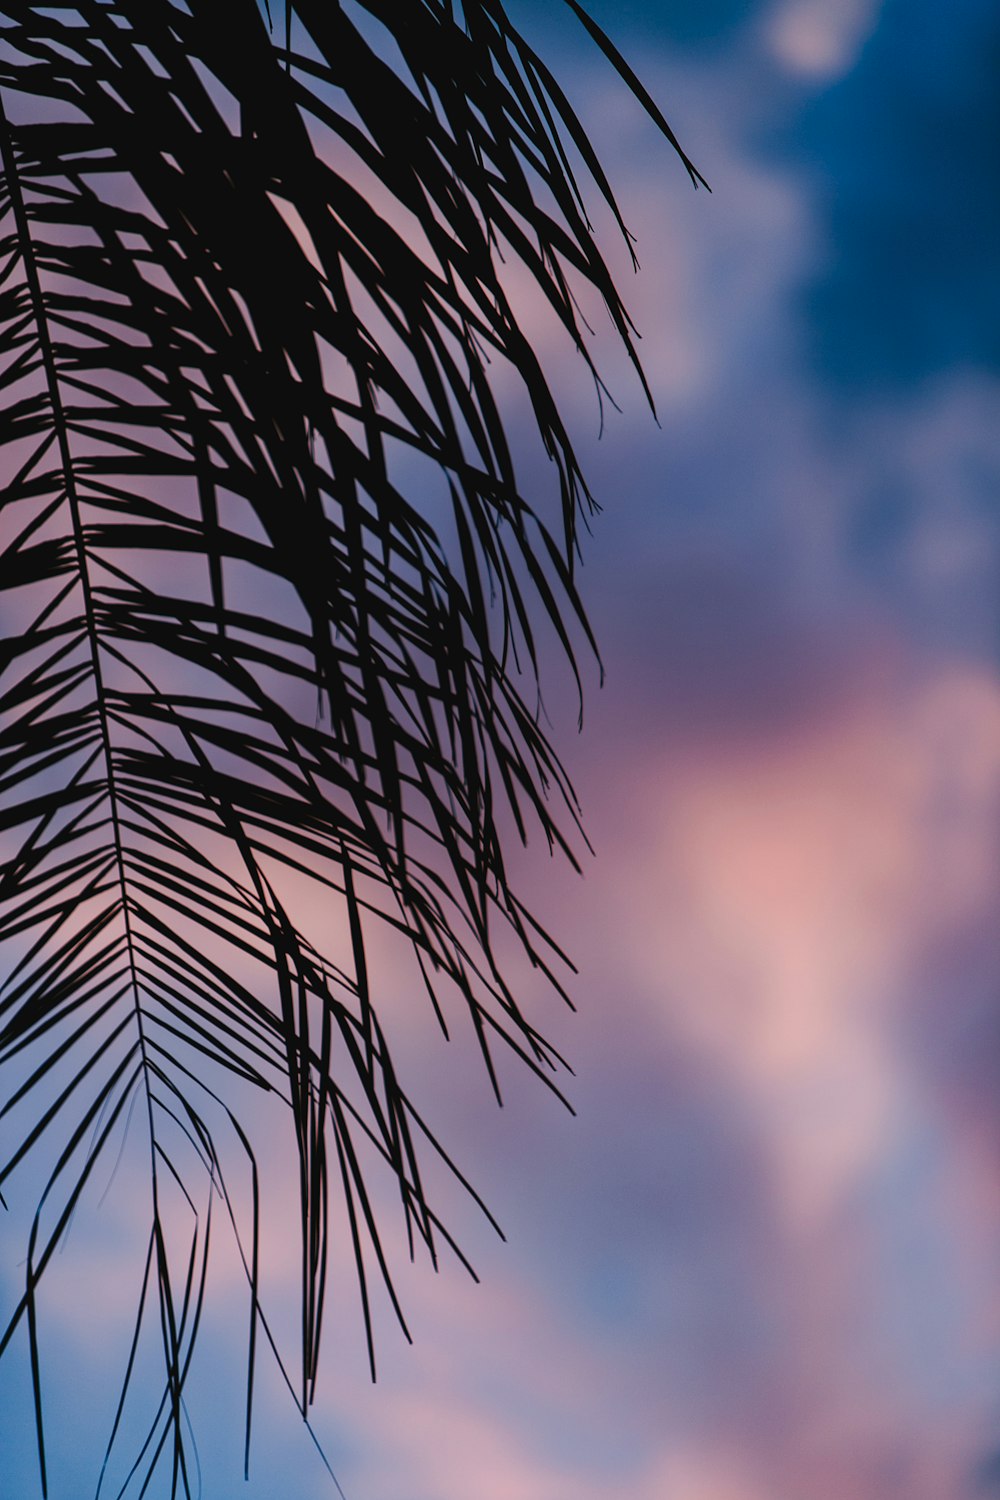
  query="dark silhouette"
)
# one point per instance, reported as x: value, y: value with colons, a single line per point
x: 271, y: 581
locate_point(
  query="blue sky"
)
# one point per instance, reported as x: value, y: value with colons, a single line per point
x: 761, y: 1262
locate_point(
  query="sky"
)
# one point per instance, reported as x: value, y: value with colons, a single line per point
x: 762, y: 1262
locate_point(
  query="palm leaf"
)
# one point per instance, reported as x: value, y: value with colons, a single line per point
x: 270, y: 581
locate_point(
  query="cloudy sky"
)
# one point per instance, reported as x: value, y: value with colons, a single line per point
x: 763, y: 1261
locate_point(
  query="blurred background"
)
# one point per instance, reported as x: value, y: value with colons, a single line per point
x: 763, y: 1261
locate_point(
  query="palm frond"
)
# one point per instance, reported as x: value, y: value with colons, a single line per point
x: 269, y: 579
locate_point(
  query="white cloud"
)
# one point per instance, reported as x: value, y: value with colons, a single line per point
x: 817, y: 39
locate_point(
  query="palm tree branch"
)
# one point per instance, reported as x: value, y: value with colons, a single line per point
x: 281, y: 576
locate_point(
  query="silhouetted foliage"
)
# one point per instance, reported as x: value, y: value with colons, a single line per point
x: 270, y: 580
